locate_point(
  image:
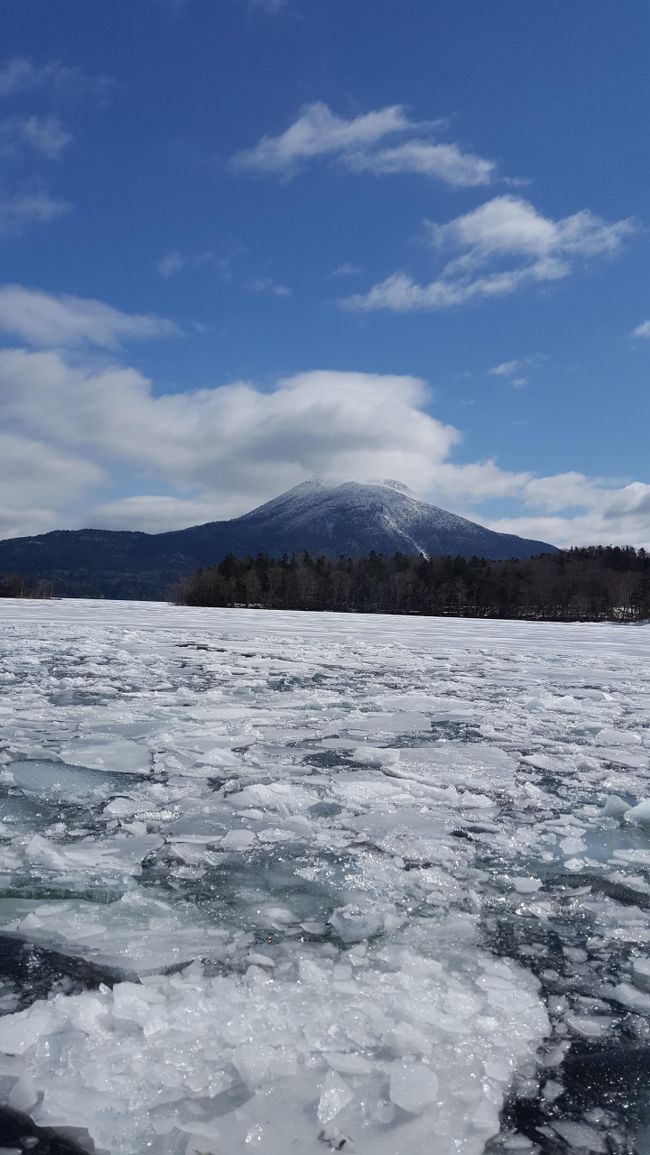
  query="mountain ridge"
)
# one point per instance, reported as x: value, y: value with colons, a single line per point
x: 325, y: 517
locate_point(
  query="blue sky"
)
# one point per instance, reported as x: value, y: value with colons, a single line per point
x: 247, y: 242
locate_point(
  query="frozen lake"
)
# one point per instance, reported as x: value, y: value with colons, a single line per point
x: 291, y: 883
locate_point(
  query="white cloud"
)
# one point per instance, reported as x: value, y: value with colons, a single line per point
x: 642, y: 330
x: 154, y: 512
x: 445, y: 161
x: 516, y: 372
x: 21, y: 74
x: 40, y: 485
x: 347, y: 269
x: 20, y: 210
x: 318, y: 132
x: 511, y: 226
x: 505, y: 231
x: 507, y: 368
x: 174, y: 262
x: 40, y: 318
x: 71, y: 423
x: 46, y: 136
x: 266, y: 285
x: 171, y: 263
x: 231, y: 446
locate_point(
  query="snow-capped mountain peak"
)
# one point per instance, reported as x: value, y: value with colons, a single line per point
x: 326, y: 517
x: 353, y: 517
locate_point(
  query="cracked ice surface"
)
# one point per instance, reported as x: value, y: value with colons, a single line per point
x: 314, y: 861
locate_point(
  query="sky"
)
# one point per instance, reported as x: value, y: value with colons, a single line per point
x: 245, y: 243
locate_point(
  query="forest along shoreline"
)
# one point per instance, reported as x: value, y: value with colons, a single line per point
x: 598, y: 583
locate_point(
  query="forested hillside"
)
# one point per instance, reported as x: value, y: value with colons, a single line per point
x: 596, y: 583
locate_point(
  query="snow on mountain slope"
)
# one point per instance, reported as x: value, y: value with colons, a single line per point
x: 327, y: 518
x: 385, y: 515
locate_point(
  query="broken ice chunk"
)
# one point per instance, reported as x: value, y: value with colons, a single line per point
x: 55, y: 780
x: 526, y: 884
x: 639, y: 815
x: 349, y: 1064
x: 374, y: 755
x: 413, y: 1087
x: 580, y: 1136
x: 117, y: 755
x: 641, y: 973
x: 238, y: 840
x: 626, y: 994
x: 615, y: 807
x: 334, y: 1097
x: 353, y: 924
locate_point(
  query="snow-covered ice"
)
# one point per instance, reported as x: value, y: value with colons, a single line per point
x: 299, y: 882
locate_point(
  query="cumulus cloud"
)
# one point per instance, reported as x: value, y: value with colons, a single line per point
x: 234, y: 438
x: 355, y: 143
x: 72, y: 423
x: 223, y: 449
x: 497, y: 248
x: 512, y: 226
x: 571, y: 509
x: 42, y: 319
x: 41, y: 485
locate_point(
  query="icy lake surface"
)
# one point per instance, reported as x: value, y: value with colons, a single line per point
x: 292, y: 883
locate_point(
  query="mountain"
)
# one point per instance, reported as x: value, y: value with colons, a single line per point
x: 324, y: 517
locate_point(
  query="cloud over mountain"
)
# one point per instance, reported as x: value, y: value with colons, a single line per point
x: 85, y: 426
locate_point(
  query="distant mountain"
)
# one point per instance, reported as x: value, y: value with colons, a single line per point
x: 324, y: 517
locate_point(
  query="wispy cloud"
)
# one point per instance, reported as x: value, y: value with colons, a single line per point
x: 20, y: 210
x: 642, y: 330
x: 347, y: 270
x: 446, y: 162
x: 21, y: 74
x: 499, y: 247
x: 507, y: 368
x: 267, y: 285
x: 317, y: 132
x: 174, y: 262
x: 355, y: 143
x: 517, y: 371
x: 46, y: 136
x: 27, y: 136
x: 64, y: 321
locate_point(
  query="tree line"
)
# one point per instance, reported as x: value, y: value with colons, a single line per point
x: 599, y: 583
x: 13, y: 585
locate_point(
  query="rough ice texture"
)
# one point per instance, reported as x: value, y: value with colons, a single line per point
x: 284, y: 834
